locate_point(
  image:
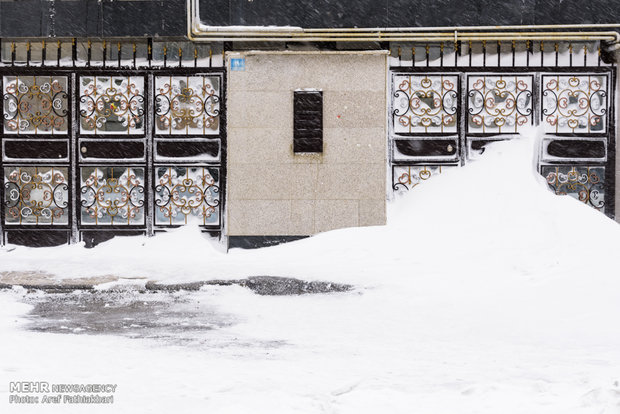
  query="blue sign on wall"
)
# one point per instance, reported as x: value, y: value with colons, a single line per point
x: 237, y: 64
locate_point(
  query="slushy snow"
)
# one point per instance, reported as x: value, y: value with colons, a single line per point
x: 485, y: 293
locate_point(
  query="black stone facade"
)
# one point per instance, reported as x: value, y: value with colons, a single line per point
x: 167, y: 18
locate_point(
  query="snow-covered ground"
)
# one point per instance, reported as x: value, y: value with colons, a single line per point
x: 485, y: 293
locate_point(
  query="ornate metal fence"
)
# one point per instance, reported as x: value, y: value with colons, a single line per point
x: 91, y: 152
x: 448, y: 104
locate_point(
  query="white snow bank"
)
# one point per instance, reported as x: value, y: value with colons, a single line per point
x: 493, y: 213
x: 488, y: 295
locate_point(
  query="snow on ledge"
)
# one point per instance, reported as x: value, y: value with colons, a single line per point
x: 200, y: 27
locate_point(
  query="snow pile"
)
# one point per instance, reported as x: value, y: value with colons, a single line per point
x: 493, y: 214
x: 484, y: 294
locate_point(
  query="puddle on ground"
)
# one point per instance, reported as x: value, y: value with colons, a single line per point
x: 171, y: 318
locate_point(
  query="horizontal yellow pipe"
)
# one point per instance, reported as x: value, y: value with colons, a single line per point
x: 468, y: 28
x: 421, y: 37
x: 389, y: 35
x: 405, y: 39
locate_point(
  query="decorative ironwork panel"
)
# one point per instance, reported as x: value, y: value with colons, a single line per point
x: 187, y: 105
x: 586, y: 184
x: 498, y: 104
x: 182, y: 192
x: 36, y: 196
x: 35, y: 105
x: 111, y: 105
x: 112, y: 196
x: 405, y: 177
x: 574, y: 103
x: 424, y: 104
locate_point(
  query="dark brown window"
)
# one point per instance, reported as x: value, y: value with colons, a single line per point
x: 308, y: 121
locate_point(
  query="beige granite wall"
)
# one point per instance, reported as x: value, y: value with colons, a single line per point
x: 271, y: 190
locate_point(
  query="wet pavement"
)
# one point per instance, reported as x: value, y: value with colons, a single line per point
x: 172, y: 318
x: 164, y: 314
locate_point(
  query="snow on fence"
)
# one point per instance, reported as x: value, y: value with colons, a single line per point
x: 449, y: 101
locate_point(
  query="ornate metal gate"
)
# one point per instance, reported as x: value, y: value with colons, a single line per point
x: 89, y: 153
x: 444, y: 111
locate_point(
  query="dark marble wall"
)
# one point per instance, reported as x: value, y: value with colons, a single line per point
x: 92, y: 18
x: 102, y: 18
x: 400, y: 13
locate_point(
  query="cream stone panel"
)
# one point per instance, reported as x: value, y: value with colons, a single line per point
x: 308, y: 158
x: 259, y: 182
x: 259, y: 217
x: 302, y: 217
x: 353, y: 145
x: 351, y: 181
x: 276, y: 73
x: 372, y: 212
x: 292, y: 71
x: 249, y: 109
x: 358, y: 109
x: 269, y: 145
x: 335, y: 214
x: 304, y: 181
x: 356, y: 72
x: 273, y: 191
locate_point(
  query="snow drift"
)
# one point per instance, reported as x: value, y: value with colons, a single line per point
x: 484, y: 294
x: 494, y: 213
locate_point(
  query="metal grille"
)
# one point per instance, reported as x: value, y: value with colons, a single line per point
x: 111, y: 105
x: 183, y: 193
x: 499, y: 104
x: 574, y: 104
x: 425, y: 104
x: 436, y: 124
x: 36, y: 196
x: 88, y: 150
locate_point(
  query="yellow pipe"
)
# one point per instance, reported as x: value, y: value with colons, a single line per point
x: 395, y: 39
x: 609, y: 36
x: 578, y: 36
x: 465, y: 28
x: 388, y: 35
